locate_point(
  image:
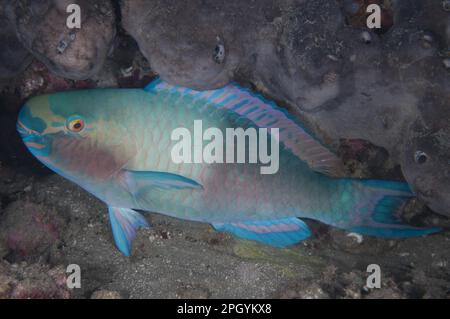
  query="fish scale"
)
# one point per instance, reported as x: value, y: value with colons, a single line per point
x: 226, y: 186
x: 123, y: 157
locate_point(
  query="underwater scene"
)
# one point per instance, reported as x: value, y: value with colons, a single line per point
x: 212, y: 149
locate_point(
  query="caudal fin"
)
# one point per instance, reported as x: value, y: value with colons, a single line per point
x: 378, y: 212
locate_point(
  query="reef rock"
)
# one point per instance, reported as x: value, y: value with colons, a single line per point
x: 74, y: 53
x: 198, y: 44
x: 28, y: 230
x: 36, y: 281
x: 14, y: 58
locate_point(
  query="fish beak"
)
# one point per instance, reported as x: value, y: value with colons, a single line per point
x: 29, y: 136
x: 22, y: 129
x: 37, y: 144
x: 33, y: 139
x: 25, y: 131
x: 24, y: 121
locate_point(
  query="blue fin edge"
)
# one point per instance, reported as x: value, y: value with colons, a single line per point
x: 277, y: 233
x: 124, y: 224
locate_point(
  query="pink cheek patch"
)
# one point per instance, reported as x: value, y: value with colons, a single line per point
x: 81, y: 157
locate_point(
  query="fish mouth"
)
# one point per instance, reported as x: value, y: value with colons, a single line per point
x: 35, y: 145
x: 30, y: 137
x: 33, y: 140
x: 29, y: 124
x: 25, y: 131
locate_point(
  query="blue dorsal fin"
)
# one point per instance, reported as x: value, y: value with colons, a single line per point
x: 277, y: 233
x: 264, y: 114
x: 124, y: 223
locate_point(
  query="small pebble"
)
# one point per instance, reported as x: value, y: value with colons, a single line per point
x: 358, y: 237
x: 106, y: 294
x: 366, y: 37
x: 446, y: 63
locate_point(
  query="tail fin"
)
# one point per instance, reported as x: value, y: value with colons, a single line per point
x: 379, y: 210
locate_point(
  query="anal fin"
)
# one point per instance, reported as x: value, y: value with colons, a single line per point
x: 277, y: 233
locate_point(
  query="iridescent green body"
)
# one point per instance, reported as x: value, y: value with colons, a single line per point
x: 128, y: 132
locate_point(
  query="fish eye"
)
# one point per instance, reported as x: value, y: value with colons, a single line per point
x: 75, y: 125
x: 420, y: 157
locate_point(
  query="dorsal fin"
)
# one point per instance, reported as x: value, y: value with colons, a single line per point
x: 264, y: 114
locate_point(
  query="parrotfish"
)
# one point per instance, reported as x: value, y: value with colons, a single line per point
x: 117, y: 145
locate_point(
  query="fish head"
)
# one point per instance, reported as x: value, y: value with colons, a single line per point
x: 427, y: 169
x: 76, y: 136
x: 33, y: 128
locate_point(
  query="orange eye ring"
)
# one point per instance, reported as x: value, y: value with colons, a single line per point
x: 76, y: 125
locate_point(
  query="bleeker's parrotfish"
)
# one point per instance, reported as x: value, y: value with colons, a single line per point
x: 116, y: 144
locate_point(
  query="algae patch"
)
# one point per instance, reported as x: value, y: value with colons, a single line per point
x: 287, y: 260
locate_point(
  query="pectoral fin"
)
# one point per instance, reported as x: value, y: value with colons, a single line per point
x: 124, y: 223
x: 278, y: 233
x: 137, y: 180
